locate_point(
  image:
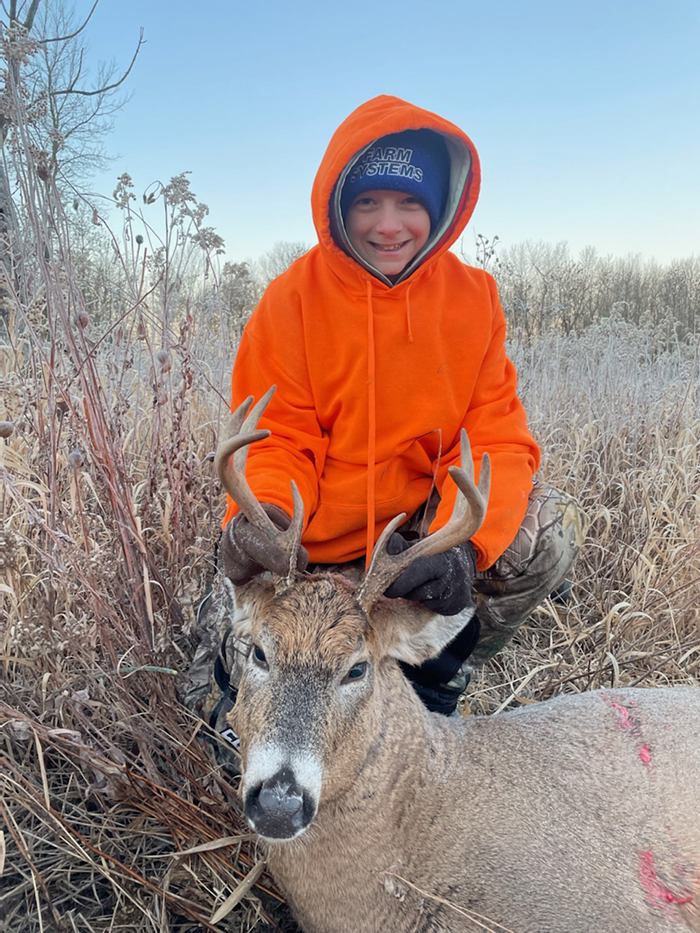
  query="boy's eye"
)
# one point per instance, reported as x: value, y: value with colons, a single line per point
x: 357, y: 672
x: 259, y: 657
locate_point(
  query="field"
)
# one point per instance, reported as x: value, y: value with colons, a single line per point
x: 113, y: 371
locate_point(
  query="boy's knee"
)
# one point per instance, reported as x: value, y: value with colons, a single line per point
x: 531, y: 568
x: 547, y: 541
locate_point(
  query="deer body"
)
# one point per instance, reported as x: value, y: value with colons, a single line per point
x: 577, y: 815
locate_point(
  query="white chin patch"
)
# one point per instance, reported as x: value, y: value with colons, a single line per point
x: 278, y: 842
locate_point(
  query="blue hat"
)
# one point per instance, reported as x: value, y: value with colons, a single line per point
x: 415, y: 161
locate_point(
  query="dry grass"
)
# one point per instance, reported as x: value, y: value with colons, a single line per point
x: 114, y: 816
x: 105, y: 777
x: 616, y: 410
x: 112, y: 807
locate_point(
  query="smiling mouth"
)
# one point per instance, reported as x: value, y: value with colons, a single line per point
x: 393, y: 248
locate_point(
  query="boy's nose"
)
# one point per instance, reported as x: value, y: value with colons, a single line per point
x: 389, y: 222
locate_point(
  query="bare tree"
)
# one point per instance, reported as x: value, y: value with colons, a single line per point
x: 240, y: 292
x: 74, y: 124
x: 277, y: 260
x: 45, y: 53
x: 47, y: 84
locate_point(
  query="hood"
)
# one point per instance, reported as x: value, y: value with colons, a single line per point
x: 378, y: 117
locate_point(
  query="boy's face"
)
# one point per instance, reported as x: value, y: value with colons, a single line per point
x: 387, y: 229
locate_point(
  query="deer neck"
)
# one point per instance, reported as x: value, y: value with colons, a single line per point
x: 407, y: 742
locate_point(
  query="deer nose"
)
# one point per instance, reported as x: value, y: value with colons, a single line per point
x: 278, y: 808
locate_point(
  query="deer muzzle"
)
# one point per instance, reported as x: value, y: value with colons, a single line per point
x: 279, y: 807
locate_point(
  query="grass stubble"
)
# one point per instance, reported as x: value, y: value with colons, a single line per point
x: 115, y: 817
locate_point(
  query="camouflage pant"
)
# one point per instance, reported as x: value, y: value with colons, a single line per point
x: 532, y: 567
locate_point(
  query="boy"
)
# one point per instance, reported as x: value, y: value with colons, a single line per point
x: 383, y: 345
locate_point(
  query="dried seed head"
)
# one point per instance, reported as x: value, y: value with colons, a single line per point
x: 122, y: 193
x: 6, y: 429
x: 75, y: 460
x: 164, y: 361
x: 82, y: 318
x: 9, y: 546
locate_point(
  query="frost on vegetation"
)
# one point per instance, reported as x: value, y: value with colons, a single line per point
x: 172, y: 241
x: 112, y: 510
x: 544, y: 288
x: 613, y: 368
x: 123, y: 193
x: 178, y: 192
x: 17, y: 46
x: 114, y: 375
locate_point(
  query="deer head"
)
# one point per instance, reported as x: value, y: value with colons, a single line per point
x: 322, y: 662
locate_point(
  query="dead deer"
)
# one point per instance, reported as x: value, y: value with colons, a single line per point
x: 580, y: 814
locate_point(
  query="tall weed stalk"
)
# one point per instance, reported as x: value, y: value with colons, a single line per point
x: 110, y: 515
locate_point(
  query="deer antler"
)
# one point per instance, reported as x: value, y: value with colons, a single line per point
x: 239, y: 433
x: 466, y: 519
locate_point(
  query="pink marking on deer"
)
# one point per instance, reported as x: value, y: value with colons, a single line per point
x: 626, y: 722
x: 658, y: 894
x: 623, y: 715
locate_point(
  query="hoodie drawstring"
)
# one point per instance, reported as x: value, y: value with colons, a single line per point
x: 372, y: 426
x: 372, y: 415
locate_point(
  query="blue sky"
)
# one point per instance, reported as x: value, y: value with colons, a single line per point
x: 586, y: 115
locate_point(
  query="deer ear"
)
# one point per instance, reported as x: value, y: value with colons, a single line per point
x: 408, y: 632
x: 249, y: 602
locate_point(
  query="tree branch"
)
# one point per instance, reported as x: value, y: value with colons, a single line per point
x: 29, y: 21
x: 73, y: 34
x: 76, y: 76
x: 109, y: 87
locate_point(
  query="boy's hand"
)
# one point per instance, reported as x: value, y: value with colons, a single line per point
x: 248, y: 551
x: 443, y: 582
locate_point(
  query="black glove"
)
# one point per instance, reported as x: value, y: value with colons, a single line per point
x: 247, y: 551
x: 443, y: 582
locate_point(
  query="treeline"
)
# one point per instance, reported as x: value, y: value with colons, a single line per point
x: 545, y: 288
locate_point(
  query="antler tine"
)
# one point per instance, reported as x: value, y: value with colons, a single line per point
x: 231, y: 456
x: 239, y: 433
x: 291, y: 538
x: 466, y: 519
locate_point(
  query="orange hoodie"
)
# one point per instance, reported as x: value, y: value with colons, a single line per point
x: 374, y: 379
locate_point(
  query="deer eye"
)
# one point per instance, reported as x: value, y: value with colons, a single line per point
x: 357, y: 672
x: 259, y: 657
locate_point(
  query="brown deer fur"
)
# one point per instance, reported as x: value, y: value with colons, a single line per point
x: 576, y: 815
